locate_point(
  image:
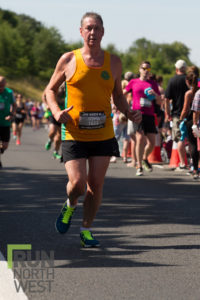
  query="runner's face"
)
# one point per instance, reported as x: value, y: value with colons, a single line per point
x: 145, y: 70
x: 92, y: 31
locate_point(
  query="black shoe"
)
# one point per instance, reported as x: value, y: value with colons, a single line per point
x: 139, y: 172
x: 195, y: 174
x: 181, y: 168
x: 147, y: 166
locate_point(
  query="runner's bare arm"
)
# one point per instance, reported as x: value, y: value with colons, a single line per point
x: 119, y: 98
x: 44, y: 99
x: 64, y: 70
x: 186, y: 106
x: 195, y: 117
x: 167, y: 109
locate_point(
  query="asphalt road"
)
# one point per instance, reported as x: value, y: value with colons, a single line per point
x: 148, y: 228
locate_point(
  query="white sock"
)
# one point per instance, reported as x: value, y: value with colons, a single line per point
x: 84, y: 228
x: 69, y: 204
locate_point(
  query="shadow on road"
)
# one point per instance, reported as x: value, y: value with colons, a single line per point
x: 29, y: 204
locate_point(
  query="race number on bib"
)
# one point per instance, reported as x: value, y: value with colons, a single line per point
x: 92, y: 120
x: 2, y: 105
x: 19, y: 116
x: 144, y: 102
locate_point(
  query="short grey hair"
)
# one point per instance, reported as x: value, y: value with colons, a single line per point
x: 92, y: 15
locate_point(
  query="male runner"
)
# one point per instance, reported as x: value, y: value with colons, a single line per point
x: 7, y: 108
x: 92, y: 76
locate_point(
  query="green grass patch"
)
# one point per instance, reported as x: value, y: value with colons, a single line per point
x: 29, y: 88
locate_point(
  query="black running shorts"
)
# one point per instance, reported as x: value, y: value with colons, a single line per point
x: 52, y: 120
x: 5, y: 133
x: 75, y: 149
x: 148, y: 124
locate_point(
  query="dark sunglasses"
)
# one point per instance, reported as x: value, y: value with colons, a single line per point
x: 146, y: 69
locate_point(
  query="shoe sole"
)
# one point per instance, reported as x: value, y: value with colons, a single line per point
x: 147, y: 169
x: 59, y: 231
x: 83, y: 245
x: 47, y: 148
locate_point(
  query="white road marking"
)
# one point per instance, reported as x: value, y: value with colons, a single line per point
x: 7, y: 286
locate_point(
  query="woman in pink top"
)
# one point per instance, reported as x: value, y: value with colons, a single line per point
x: 145, y: 93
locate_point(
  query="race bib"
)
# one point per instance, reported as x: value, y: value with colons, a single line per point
x: 2, y: 105
x: 92, y: 120
x: 144, y: 102
x: 19, y: 116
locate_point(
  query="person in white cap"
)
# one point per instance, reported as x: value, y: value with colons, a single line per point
x: 175, y: 92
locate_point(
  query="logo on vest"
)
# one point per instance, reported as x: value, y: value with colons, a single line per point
x: 105, y: 75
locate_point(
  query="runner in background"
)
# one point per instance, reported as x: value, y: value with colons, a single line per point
x: 7, y: 111
x: 145, y: 95
x: 19, y: 119
x: 54, y: 135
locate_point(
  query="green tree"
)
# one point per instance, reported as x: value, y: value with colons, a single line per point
x: 28, y: 28
x: 11, y: 49
x: 47, y: 48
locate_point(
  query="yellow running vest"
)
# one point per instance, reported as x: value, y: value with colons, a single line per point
x: 89, y: 91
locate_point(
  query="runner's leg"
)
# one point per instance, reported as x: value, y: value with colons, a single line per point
x: 76, y: 170
x: 97, y: 170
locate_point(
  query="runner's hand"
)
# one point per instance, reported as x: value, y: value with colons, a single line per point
x: 9, y: 118
x: 134, y: 116
x: 62, y: 116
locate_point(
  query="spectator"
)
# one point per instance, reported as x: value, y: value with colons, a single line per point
x: 120, y: 122
x: 175, y: 92
x: 187, y: 115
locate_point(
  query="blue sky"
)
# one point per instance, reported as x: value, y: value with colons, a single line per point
x: 124, y: 21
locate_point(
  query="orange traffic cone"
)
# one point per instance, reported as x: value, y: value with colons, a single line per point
x: 155, y: 156
x: 175, y: 160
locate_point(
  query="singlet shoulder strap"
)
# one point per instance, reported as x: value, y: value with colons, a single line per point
x: 77, y: 53
x: 106, y: 59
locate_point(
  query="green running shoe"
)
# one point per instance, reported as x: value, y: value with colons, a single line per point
x: 63, y: 222
x: 56, y: 155
x: 48, y: 145
x: 87, y: 239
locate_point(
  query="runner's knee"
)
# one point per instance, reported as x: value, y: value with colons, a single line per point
x: 78, y: 186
